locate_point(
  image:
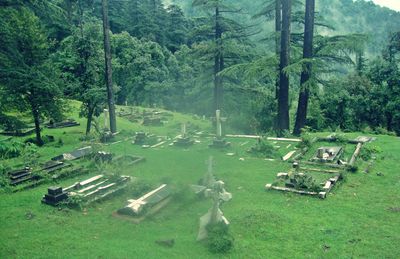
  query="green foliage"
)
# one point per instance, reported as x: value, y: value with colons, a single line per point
x: 11, y: 148
x: 30, y: 155
x: 28, y: 81
x: 264, y: 148
x: 368, y: 151
x: 219, y: 239
x: 304, y: 182
x: 139, y: 188
x: 11, y: 123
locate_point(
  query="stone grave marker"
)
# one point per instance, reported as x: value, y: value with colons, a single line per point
x: 219, y: 141
x: 139, y: 206
x: 184, y: 140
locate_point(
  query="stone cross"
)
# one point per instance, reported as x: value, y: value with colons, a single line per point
x: 219, y: 121
x: 105, y: 119
x: 183, y: 130
x: 214, y: 215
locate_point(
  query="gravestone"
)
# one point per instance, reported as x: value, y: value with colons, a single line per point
x: 219, y: 141
x: 151, y: 119
x: 327, y: 154
x: 218, y: 194
x: 207, y: 181
x: 62, y: 124
x: 215, y: 190
x: 76, y: 154
x: 140, y: 138
x: 54, y: 196
x: 184, y: 140
x: 88, y: 191
x: 144, y: 203
x: 52, y: 166
x: 22, y: 175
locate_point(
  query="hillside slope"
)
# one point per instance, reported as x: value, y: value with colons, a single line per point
x: 346, y: 16
x: 359, y: 219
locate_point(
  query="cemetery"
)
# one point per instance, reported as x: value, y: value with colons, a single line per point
x: 199, y: 129
x: 238, y: 184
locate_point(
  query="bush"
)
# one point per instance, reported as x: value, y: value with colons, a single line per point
x: 10, y: 149
x: 219, y: 238
x: 264, y: 148
x: 10, y: 123
x: 368, y: 151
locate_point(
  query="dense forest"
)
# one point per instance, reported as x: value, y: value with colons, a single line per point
x: 273, y: 66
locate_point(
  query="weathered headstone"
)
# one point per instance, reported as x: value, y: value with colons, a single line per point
x: 22, y: 175
x: 76, y: 154
x: 184, y: 140
x: 327, y: 154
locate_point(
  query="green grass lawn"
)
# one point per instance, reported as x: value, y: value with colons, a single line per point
x: 355, y: 221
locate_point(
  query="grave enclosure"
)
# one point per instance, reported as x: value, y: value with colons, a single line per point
x: 318, y: 174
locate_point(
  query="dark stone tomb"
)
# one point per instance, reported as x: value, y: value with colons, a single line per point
x: 54, y: 196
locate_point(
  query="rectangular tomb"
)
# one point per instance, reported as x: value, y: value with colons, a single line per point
x: 136, y: 207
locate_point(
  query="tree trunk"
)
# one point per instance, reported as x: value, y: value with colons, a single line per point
x: 304, y: 94
x: 218, y: 63
x: 36, y: 118
x: 89, y: 118
x: 107, y: 54
x: 389, y: 121
x: 283, y: 97
x: 278, y: 28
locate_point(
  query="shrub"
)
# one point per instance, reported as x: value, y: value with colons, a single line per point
x: 10, y: 123
x: 368, y: 151
x: 10, y: 149
x: 264, y: 148
x: 219, y: 238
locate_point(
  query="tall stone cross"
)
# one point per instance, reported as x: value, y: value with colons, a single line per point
x: 219, y: 120
x: 183, y: 130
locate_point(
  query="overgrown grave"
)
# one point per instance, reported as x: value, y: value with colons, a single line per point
x: 62, y: 124
x: 147, y: 140
x: 59, y: 167
x: 319, y: 165
x: 313, y: 182
x: 183, y: 140
x: 87, y: 191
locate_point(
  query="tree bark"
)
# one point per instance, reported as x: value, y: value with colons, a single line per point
x: 278, y: 28
x: 304, y: 94
x: 36, y: 118
x: 218, y: 63
x: 89, y: 118
x: 107, y: 55
x: 283, y: 97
